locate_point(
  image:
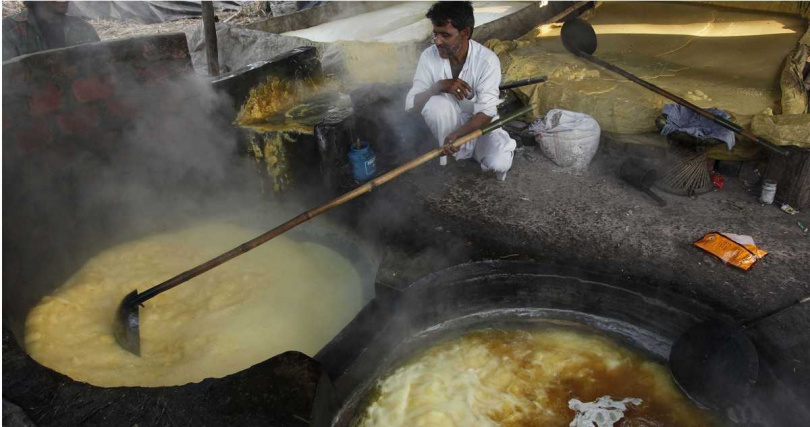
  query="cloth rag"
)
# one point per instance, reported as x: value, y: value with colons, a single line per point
x: 682, y: 119
x: 602, y: 412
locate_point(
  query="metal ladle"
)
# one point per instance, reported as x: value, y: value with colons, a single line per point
x: 579, y: 39
x: 126, y: 325
x: 716, y: 363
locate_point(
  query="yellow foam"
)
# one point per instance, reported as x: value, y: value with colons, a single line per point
x: 284, y: 295
x: 524, y: 378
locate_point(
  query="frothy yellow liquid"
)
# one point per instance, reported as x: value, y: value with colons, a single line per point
x: 284, y: 295
x: 525, y: 378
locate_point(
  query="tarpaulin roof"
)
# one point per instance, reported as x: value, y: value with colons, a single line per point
x: 145, y: 12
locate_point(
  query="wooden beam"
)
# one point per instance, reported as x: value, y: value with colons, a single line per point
x: 564, y: 14
x: 210, y: 31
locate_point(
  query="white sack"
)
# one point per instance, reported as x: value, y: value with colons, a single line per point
x: 568, y: 139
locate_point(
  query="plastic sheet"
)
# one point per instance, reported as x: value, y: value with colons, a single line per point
x: 733, y: 249
x: 145, y: 12
x: 690, y: 50
x: 783, y: 129
x: 240, y: 47
x: 794, y: 94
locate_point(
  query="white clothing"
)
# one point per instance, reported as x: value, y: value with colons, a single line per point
x: 493, y: 151
x: 482, y: 71
x: 443, y: 113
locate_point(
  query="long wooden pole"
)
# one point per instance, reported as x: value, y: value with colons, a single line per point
x: 707, y: 114
x: 312, y: 213
x: 210, y: 31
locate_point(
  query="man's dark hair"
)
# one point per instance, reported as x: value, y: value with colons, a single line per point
x: 457, y: 13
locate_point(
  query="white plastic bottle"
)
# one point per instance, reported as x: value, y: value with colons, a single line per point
x: 768, y: 191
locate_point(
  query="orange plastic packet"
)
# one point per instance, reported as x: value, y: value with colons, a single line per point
x: 737, y: 250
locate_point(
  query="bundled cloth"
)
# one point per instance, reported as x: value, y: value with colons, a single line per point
x: 602, y: 412
x: 682, y: 119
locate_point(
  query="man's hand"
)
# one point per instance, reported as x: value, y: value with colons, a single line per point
x: 475, y: 123
x: 456, y: 87
x: 449, y: 150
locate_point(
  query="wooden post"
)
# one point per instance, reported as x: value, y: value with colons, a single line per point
x: 210, y: 31
x: 792, y: 176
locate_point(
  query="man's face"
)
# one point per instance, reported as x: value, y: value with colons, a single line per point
x: 55, y: 7
x: 449, y: 40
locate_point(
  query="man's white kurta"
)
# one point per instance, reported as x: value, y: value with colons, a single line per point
x: 443, y: 113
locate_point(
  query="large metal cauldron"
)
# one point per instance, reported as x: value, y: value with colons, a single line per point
x: 496, y: 293
x: 278, y: 391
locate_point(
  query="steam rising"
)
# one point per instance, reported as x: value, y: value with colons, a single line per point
x: 179, y: 155
x: 177, y: 160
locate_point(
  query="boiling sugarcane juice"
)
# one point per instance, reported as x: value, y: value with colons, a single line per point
x: 284, y: 295
x: 516, y: 378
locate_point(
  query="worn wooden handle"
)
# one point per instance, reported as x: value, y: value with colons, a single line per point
x: 312, y: 213
x: 709, y: 115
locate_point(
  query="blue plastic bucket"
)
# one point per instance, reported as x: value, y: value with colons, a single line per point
x: 363, y: 161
